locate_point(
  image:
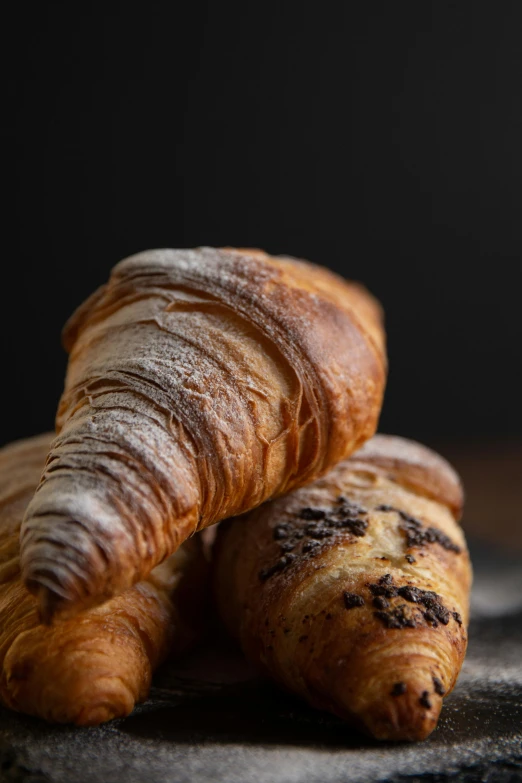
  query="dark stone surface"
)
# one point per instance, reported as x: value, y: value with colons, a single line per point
x: 212, y: 718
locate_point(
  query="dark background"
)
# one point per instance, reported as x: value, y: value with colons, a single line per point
x: 383, y: 141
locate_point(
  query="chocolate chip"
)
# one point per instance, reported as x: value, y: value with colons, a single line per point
x: 410, y: 559
x: 318, y: 531
x: 380, y: 602
x: 411, y: 594
x: 425, y: 701
x: 398, y: 689
x: 352, y: 510
x: 443, y: 616
x: 356, y: 526
x: 385, y: 507
x: 430, y: 600
x: 279, y: 566
x: 439, y: 687
x: 435, y: 612
x: 409, y: 518
x: 396, y: 618
x: 351, y: 600
x: 434, y: 605
x: 346, y: 504
x: 311, y: 546
x: 388, y: 619
x: 457, y: 618
x: 389, y: 591
x: 312, y: 513
x: 417, y: 535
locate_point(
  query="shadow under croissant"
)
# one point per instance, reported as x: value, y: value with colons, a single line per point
x: 217, y: 697
x: 258, y: 713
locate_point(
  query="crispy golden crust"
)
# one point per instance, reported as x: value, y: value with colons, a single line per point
x: 353, y: 592
x: 416, y: 467
x: 96, y: 666
x: 200, y: 383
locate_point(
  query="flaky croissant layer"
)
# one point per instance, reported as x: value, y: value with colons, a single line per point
x: 97, y: 665
x: 200, y: 383
x: 353, y: 592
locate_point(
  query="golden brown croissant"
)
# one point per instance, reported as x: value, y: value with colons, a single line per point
x: 200, y: 383
x: 95, y: 666
x: 353, y: 592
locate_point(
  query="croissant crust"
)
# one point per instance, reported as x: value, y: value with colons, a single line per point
x: 200, y: 383
x: 353, y: 592
x: 96, y: 666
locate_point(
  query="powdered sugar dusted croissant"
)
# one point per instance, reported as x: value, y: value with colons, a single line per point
x: 200, y: 383
x: 353, y: 592
x: 96, y: 666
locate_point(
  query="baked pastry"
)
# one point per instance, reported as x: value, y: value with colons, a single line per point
x: 96, y: 666
x: 200, y: 383
x: 353, y: 592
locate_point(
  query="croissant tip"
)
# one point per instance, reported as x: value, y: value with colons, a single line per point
x: 47, y: 600
x: 410, y: 716
x: 46, y: 608
x: 54, y: 601
x: 96, y: 714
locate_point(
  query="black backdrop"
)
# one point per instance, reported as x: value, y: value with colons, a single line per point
x: 384, y: 141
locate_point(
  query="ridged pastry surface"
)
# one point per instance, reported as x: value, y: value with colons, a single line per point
x: 96, y: 666
x: 200, y: 383
x: 353, y: 592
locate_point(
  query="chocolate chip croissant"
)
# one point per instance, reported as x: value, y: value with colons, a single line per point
x: 96, y: 666
x: 200, y: 383
x: 353, y: 592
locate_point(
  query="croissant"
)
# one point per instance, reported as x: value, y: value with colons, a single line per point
x: 200, y: 383
x: 93, y: 667
x: 353, y: 592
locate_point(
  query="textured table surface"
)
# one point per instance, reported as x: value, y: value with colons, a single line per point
x: 213, y: 719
